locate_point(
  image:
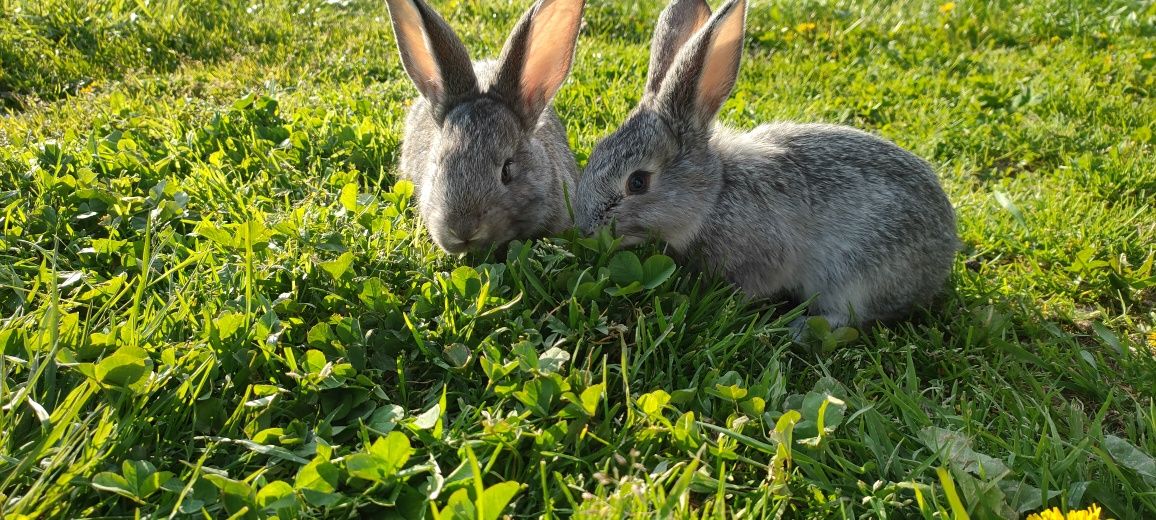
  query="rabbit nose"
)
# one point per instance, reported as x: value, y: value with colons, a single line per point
x: 465, y: 229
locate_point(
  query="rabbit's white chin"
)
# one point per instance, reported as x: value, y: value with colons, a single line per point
x: 454, y: 247
x: 631, y: 240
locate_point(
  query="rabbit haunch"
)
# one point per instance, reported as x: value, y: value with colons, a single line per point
x: 800, y: 210
x: 490, y: 160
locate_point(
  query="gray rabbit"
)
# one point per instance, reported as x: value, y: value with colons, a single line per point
x: 489, y: 159
x: 785, y: 210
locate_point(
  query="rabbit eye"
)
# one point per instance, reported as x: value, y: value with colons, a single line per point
x: 506, y: 178
x: 638, y: 183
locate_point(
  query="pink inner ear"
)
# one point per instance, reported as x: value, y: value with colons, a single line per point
x: 702, y: 15
x: 721, y: 65
x: 679, y: 22
x: 551, y: 48
x: 416, y: 48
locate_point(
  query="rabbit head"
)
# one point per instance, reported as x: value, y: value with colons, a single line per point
x: 485, y: 161
x: 657, y: 175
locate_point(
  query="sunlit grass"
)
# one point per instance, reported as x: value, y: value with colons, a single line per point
x: 216, y: 300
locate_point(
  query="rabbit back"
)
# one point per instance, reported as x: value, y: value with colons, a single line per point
x: 813, y: 209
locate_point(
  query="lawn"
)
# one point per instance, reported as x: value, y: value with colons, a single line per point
x: 216, y: 299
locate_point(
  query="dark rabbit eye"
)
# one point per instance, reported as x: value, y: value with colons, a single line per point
x: 506, y: 171
x: 638, y: 183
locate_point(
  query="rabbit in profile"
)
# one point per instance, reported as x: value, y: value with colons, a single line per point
x: 785, y: 210
x: 489, y: 159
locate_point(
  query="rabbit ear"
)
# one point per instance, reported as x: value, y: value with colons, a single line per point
x: 433, y: 56
x: 538, y: 56
x: 675, y: 26
x: 705, y: 70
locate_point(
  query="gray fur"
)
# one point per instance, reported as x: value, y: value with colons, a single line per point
x: 785, y: 210
x: 454, y: 150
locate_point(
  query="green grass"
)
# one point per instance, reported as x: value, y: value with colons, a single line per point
x: 216, y: 301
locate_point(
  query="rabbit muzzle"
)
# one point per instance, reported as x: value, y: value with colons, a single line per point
x: 463, y: 233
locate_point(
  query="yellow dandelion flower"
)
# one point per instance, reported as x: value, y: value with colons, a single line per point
x: 1092, y: 513
x: 947, y: 7
x: 1152, y: 339
x: 1051, y: 514
x: 805, y: 27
